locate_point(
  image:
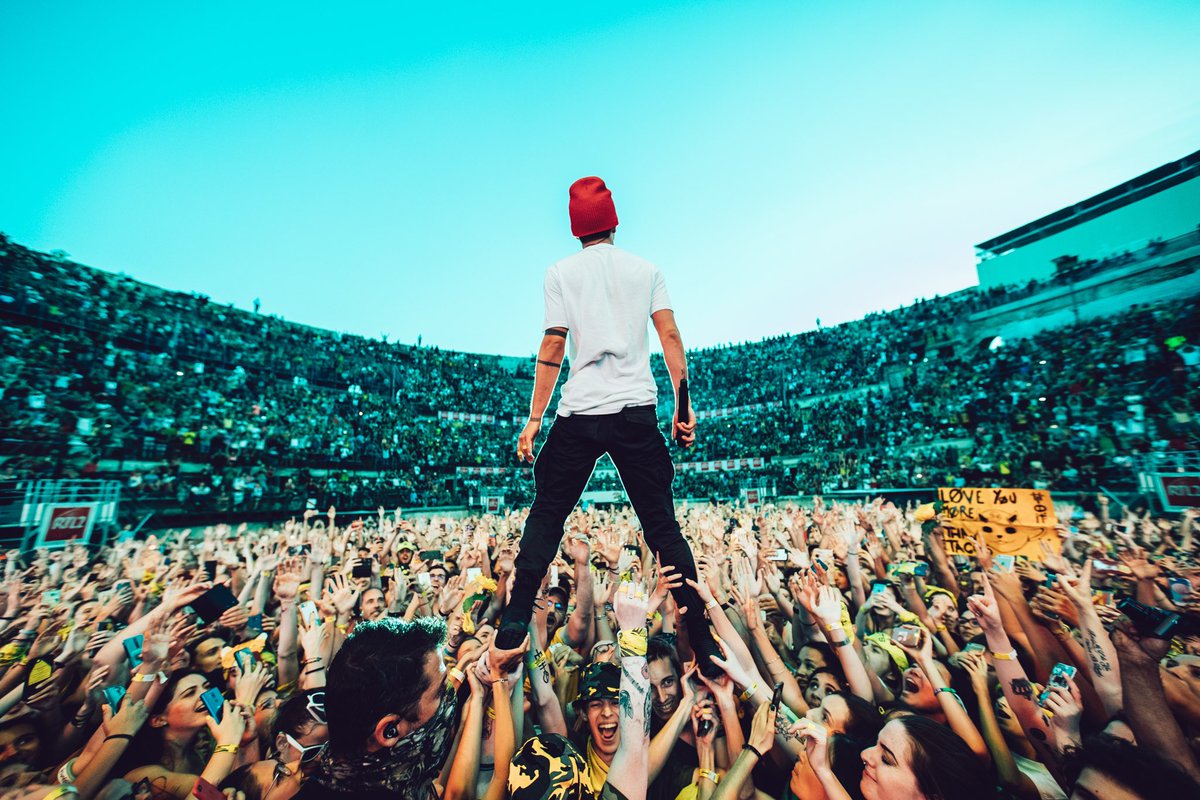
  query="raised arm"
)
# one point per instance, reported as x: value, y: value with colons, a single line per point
x: 630, y: 765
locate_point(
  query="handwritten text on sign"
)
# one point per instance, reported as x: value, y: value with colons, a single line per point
x: 1013, y: 521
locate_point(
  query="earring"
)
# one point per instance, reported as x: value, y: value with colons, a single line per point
x: 390, y: 732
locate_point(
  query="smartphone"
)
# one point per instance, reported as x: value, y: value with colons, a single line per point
x: 973, y: 647
x: 705, y: 725
x: 1004, y: 563
x: 244, y: 659
x: 430, y: 555
x: 213, y: 603
x: 476, y: 572
x: 423, y: 581
x: 133, y: 648
x: 1058, y: 677
x: 1180, y: 588
x: 113, y: 695
x: 299, y: 549
x: 214, y: 701
x: 878, y: 589
x: 210, y: 569
x: 553, y: 575
x: 776, y: 696
x: 203, y: 790
x: 824, y: 555
x: 254, y: 623
x: 778, y: 554
x: 908, y: 635
x: 52, y: 597
x: 308, y: 611
x: 365, y: 568
x: 40, y: 671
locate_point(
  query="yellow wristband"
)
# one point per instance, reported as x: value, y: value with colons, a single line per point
x: 750, y: 690
x: 709, y: 775
x: 61, y: 791
x: 225, y: 748
x: 1011, y: 655
x: 457, y: 674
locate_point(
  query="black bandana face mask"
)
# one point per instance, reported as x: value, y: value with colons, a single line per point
x: 408, y: 769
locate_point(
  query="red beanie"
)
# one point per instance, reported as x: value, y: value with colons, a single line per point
x: 592, y: 209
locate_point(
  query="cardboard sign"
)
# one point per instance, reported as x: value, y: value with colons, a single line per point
x: 1013, y: 521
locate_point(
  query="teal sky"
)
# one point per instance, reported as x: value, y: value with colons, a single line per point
x: 395, y: 168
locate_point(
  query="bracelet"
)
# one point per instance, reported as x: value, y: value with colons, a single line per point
x: 457, y: 674
x: 126, y: 736
x: 842, y: 643
x: 711, y: 604
x: 308, y: 661
x: 940, y: 629
x: 61, y: 791
x: 1011, y: 655
x: 752, y: 748
x: 947, y: 690
x: 225, y: 748
x: 80, y: 720
x: 149, y: 677
x: 314, y: 669
x: 709, y: 775
x: 746, y: 695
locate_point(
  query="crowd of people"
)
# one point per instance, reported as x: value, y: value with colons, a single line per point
x: 212, y: 408
x: 861, y: 658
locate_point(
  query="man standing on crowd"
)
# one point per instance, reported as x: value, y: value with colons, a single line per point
x: 601, y: 298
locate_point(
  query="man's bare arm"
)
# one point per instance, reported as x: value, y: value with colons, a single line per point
x: 672, y: 345
x: 549, y: 362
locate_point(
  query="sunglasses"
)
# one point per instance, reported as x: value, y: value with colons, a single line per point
x: 316, y: 707
x: 306, y: 753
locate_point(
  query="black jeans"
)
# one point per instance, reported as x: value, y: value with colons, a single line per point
x: 632, y: 439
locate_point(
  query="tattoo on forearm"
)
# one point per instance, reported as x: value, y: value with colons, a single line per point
x: 1022, y: 688
x: 1100, y: 662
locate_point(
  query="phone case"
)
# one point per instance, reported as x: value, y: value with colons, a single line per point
x: 133, y: 648
x: 213, y: 701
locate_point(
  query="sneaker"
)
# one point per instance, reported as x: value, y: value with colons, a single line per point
x: 510, y: 636
x: 705, y: 647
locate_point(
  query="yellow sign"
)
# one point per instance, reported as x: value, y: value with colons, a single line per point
x: 1012, y: 521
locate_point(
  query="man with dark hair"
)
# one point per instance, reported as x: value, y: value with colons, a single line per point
x: 1108, y: 767
x: 603, y: 299
x: 391, y: 718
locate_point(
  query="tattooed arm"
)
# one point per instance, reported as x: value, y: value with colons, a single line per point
x: 1101, y: 658
x: 630, y: 766
x: 1013, y: 680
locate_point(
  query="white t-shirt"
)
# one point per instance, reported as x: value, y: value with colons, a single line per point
x: 604, y: 297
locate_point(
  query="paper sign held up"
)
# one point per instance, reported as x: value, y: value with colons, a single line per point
x: 1012, y: 521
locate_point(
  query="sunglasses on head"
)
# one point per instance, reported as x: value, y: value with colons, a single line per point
x: 316, y: 707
